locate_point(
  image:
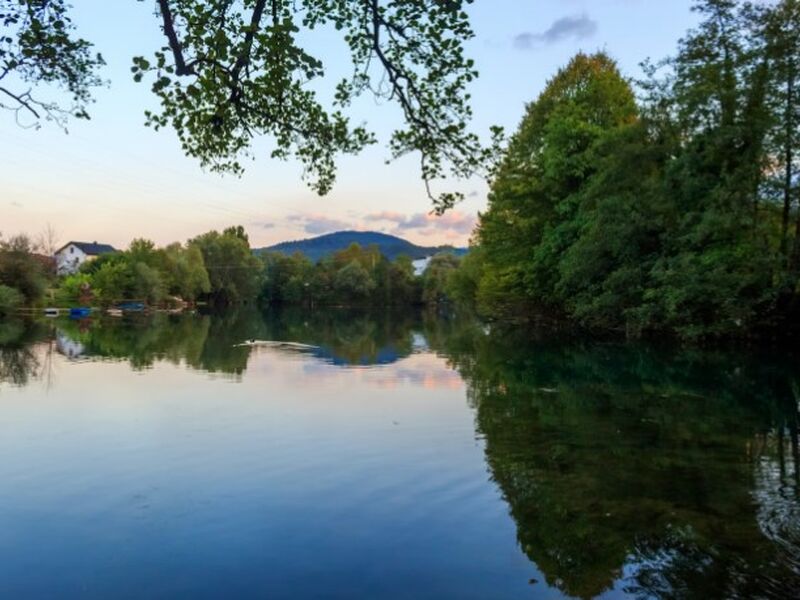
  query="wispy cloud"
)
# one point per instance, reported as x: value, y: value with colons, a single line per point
x: 577, y: 27
x: 386, y: 215
x: 452, y: 224
x: 317, y: 224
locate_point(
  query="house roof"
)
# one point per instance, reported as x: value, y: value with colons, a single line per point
x: 90, y: 248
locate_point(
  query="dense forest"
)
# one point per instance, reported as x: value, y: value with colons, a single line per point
x: 669, y: 205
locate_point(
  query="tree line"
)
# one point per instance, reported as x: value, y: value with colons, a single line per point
x: 355, y: 276
x: 668, y: 205
x: 218, y: 268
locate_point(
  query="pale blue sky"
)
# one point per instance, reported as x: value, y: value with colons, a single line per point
x: 112, y: 179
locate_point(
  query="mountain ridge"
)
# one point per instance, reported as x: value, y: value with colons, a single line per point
x: 391, y: 246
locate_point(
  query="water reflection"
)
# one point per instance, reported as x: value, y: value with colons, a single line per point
x: 661, y: 474
x: 629, y: 470
x: 218, y: 343
x: 21, y: 358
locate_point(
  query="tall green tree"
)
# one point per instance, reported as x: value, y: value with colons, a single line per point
x: 436, y: 277
x: 536, y: 194
x: 353, y: 282
x: 21, y: 269
x: 234, y: 272
x: 185, y: 271
x: 780, y: 30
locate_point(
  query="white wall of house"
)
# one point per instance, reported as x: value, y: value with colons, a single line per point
x: 420, y: 265
x: 69, y: 259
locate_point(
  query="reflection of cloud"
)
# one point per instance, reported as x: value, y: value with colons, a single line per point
x: 452, y: 224
x: 424, y: 370
x: 577, y: 27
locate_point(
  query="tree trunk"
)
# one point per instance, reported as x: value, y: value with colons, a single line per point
x: 787, y: 184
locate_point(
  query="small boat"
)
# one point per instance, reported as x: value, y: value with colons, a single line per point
x: 80, y: 311
x: 51, y: 312
x: 114, y: 312
x: 131, y: 306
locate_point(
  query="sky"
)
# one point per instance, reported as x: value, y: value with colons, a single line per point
x: 111, y: 179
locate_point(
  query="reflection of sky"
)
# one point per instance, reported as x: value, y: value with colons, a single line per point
x: 302, y: 478
x: 313, y: 369
x: 425, y: 371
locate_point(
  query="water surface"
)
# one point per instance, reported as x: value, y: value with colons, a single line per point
x: 392, y: 456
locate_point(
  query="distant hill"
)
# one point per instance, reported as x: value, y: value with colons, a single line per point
x: 390, y: 246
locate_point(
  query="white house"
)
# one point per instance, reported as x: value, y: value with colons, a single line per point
x: 73, y: 254
x: 420, y: 265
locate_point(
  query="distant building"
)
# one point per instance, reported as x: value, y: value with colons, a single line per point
x: 73, y: 254
x: 420, y: 265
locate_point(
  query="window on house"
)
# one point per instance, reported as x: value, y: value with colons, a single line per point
x: 72, y: 249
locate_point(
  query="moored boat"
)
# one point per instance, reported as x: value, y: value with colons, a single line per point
x: 131, y: 306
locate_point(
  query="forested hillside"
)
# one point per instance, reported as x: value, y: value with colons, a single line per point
x: 390, y: 246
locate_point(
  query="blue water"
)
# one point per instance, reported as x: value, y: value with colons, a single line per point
x: 371, y: 462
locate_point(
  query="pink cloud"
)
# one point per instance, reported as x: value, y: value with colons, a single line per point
x: 426, y: 223
x: 318, y: 224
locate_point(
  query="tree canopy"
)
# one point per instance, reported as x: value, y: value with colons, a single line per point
x: 231, y: 72
x: 667, y: 211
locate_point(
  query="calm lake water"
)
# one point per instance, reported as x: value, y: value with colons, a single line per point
x: 389, y: 456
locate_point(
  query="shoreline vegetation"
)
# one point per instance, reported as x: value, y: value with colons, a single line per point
x: 663, y: 207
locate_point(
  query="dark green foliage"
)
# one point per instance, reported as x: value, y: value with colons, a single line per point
x: 536, y: 200
x: 669, y: 216
x: 233, y: 271
x: 611, y: 456
x: 10, y: 300
x: 22, y: 269
x: 156, y: 276
x: 232, y: 71
x: 354, y: 276
x: 436, y: 277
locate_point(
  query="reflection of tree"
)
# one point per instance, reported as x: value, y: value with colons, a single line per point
x: 668, y: 474
x: 19, y: 360
x: 141, y: 340
x: 625, y: 463
x: 214, y: 342
x: 348, y: 337
x: 222, y: 351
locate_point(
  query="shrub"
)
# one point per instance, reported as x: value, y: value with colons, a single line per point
x: 10, y: 300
